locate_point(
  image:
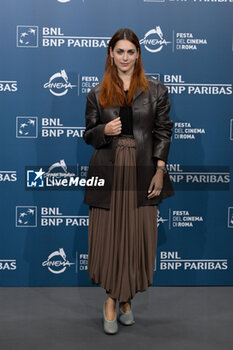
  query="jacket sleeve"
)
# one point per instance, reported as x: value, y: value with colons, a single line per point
x: 94, y: 132
x: 162, y: 130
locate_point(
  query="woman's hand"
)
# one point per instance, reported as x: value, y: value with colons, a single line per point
x: 113, y: 127
x: 156, y: 184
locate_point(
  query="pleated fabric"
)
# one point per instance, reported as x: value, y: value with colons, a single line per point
x: 122, y: 240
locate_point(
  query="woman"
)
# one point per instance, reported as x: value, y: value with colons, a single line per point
x: 127, y: 122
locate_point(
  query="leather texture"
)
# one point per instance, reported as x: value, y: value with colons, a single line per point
x: 152, y: 130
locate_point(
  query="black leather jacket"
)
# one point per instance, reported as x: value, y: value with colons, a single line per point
x: 152, y: 131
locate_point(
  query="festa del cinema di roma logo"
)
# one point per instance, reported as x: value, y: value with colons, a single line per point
x: 58, y: 84
x: 57, y: 262
x: 153, y: 40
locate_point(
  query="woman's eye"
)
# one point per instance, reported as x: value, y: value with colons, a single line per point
x: 130, y: 52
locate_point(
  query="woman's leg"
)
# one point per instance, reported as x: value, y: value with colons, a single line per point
x: 110, y: 308
x: 125, y: 306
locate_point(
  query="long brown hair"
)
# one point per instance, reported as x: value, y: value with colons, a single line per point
x: 112, y: 90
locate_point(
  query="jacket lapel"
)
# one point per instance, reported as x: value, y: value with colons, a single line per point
x: 137, y: 93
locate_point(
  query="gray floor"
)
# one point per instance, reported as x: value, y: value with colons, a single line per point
x: 68, y: 318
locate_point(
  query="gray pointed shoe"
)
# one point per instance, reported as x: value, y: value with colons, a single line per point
x: 126, y: 318
x: 110, y: 327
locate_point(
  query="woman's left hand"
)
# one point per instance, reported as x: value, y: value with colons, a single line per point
x: 156, y: 184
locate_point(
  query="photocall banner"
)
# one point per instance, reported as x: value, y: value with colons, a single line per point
x: 52, y: 54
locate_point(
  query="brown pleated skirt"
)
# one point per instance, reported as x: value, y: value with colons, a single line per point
x: 122, y: 241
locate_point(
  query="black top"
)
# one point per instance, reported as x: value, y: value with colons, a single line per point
x: 126, y: 116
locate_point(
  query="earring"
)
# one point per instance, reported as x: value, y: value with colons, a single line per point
x: 136, y: 61
x: 111, y: 61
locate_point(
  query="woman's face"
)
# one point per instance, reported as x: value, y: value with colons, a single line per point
x: 124, y: 55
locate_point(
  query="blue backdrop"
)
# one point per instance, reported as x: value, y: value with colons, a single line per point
x: 52, y: 53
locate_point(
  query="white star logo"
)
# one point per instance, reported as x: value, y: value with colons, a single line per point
x: 39, y: 174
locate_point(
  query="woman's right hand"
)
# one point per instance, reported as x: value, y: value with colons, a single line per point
x: 113, y: 127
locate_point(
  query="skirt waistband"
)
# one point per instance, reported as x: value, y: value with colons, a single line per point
x: 125, y: 135
x: 126, y: 141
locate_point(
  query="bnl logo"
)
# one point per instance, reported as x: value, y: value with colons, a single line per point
x: 26, y: 127
x: 27, y: 36
x: 26, y: 216
x: 155, y: 76
x: 35, y: 178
